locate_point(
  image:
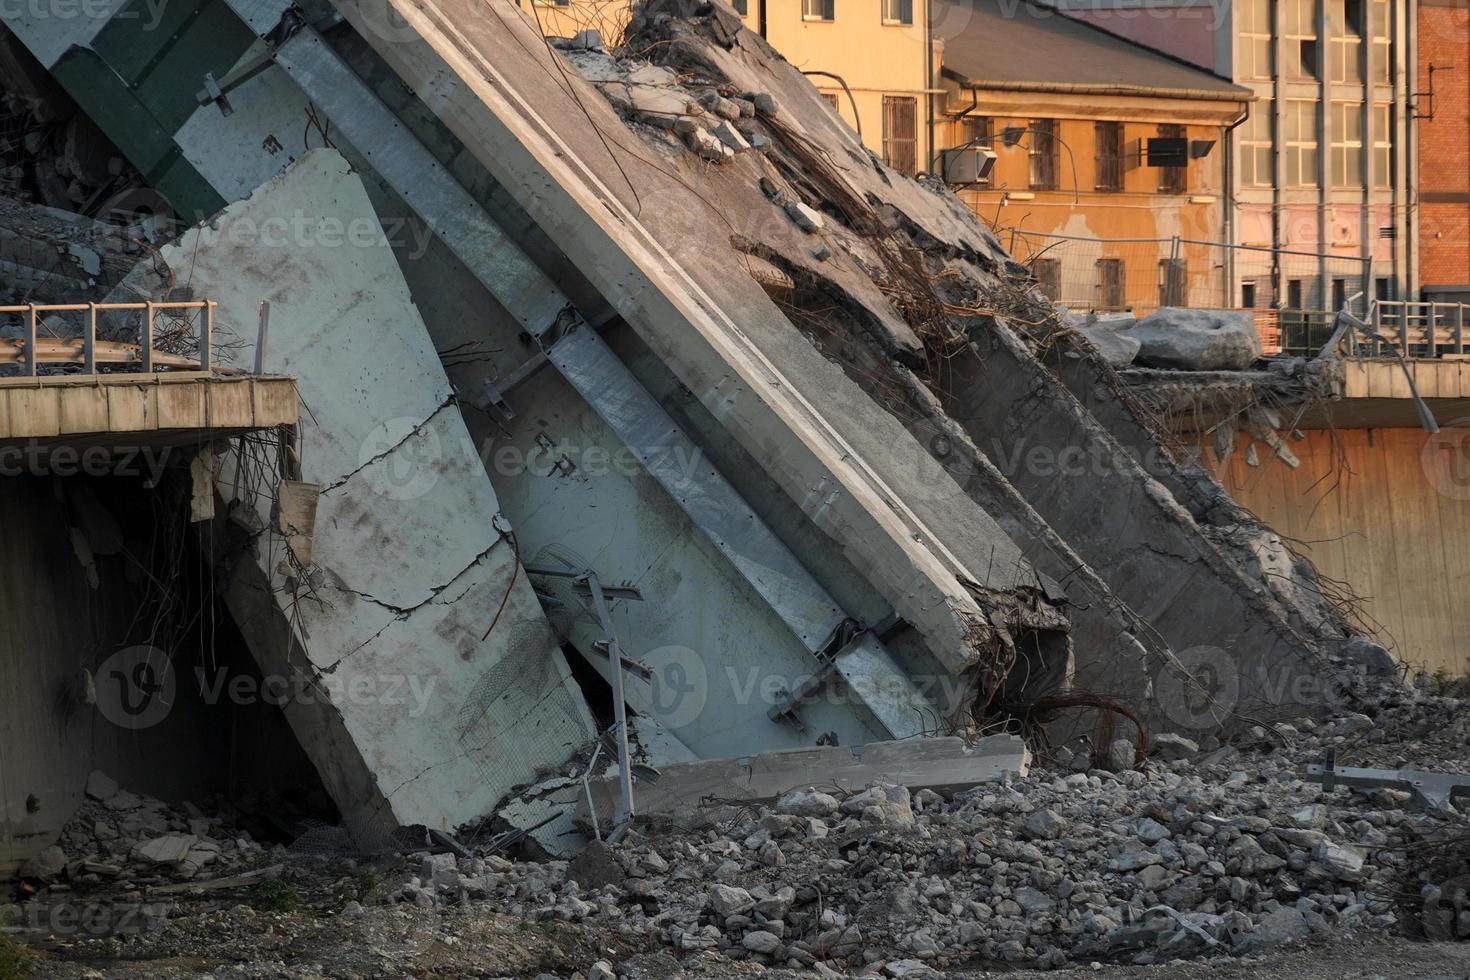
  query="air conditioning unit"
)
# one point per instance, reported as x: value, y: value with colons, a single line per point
x: 966, y: 165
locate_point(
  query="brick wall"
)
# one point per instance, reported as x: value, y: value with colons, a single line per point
x: 1444, y: 144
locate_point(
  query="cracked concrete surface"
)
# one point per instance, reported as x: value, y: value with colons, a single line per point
x: 409, y: 562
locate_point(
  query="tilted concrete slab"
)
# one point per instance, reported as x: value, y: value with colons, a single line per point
x: 718, y: 332
x: 945, y: 765
x: 422, y: 721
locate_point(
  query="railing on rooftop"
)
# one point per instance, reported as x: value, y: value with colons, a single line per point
x: 1413, y: 329
x: 31, y: 351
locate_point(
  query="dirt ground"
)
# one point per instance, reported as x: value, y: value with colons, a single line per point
x: 406, y: 942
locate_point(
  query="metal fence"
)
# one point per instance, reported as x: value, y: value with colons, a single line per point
x: 1140, y: 275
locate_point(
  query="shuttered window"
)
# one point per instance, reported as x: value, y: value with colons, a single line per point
x: 900, y: 132
x: 1048, y: 273
x: 1173, y: 180
x: 1109, y: 136
x: 1110, y: 284
x: 1043, y: 142
x: 1173, y: 282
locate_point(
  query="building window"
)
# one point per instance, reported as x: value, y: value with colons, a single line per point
x: 1110, y: 284
x: 1345, y: 29
x: 1380, y: 48
x: 898, y: 11
x: 1048, y: 273
x: 1383, y: 289
x: 1044, y: 154
x: 1248, y: 296
x: 1173, y: 282
x: 1109, y: 138
x: 1255, y: 39
x: 1347, y: 144
x: 1339, y: 293
x: 818, y: 10
x: 1300, y: 30
x: 900, y: 128
x: 1255, y: 146
x: 1294, y: 294
x: 979, y: 131
x: 742, y: 7
x: 1302, y: 125
x: 1383, y: 145
x: 1173, y: 180
x: 830, y: 98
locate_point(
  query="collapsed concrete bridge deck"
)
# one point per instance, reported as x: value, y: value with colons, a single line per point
x: 541, y: 322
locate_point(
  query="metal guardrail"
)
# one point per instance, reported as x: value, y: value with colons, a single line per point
x: 1421, y: 329
x: 31, y: 351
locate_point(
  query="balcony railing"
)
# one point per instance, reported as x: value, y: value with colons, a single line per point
x: 31, y: 351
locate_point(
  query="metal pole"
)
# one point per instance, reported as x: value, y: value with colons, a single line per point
x: 206, y: 335
x: 89, y: 341
x: 31, y: 340
x: 262, y: 336
x: 146, y: 343
x: 615, y: 655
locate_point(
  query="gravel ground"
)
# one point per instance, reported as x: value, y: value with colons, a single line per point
x: 1262, y: 874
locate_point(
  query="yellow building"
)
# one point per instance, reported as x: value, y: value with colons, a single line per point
x: 872, y: 59
x: 1083, y: 124
x: 1078, y: 192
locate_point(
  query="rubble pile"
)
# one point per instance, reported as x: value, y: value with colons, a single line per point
x: 122, y: 840
x: 1214, y: 849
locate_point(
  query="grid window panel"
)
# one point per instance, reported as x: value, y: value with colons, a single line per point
x: 900, y: 132
x: 898, y: 11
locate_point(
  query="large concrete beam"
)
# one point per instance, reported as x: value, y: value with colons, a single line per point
x: 419, y: 718
x: 470, y: 71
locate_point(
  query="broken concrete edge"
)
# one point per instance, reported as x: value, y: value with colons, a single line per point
x: 945, y: 765
x: 1112, y: 398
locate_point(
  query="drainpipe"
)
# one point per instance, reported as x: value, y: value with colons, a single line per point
x: 974, y: 104
x: 761, y: 18
x: 1228, y: 147
x: 929, y: 80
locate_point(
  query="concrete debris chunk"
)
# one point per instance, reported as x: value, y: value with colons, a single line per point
x: 168, y: 849
x: 807, y: 803
x: 1198, y: 340
x: 807, y: 219
x: 704, y: 143
x: 100, y: 786
x: 726, y: 133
